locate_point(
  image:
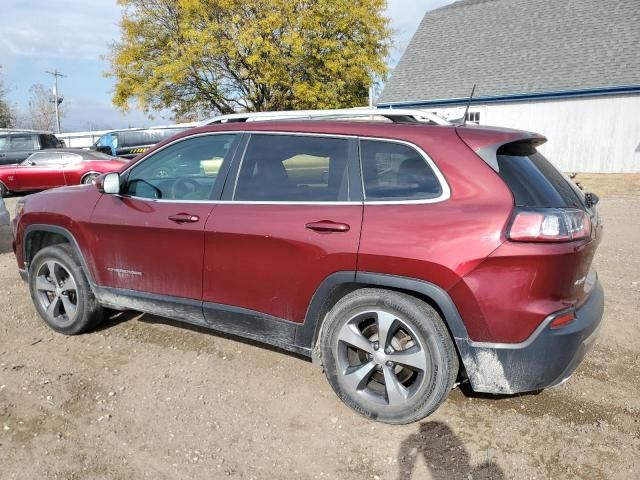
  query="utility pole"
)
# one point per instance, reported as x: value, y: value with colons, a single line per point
x: 57, y: 100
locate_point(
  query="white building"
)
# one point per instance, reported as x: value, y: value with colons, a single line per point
x: 569, y: 69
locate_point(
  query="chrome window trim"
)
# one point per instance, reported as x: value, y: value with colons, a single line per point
x: 444, y: 196
x: 444, y: 186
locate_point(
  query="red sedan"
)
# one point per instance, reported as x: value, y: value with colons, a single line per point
x: 56, y: 168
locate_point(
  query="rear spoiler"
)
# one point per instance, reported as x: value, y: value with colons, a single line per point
x: 485, y: 141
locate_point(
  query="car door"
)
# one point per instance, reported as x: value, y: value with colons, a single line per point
x: 39, y: 172
x: 151, y: 236
x: 288, y: 220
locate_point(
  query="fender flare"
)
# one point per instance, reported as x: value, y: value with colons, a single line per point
x: 37, y: 227
x: 308, y: 332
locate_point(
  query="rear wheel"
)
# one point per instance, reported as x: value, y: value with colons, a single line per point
x: 3, y: 190
x: 388, y: 355
x: 61, y: 293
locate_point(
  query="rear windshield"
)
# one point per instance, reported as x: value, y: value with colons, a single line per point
x: 534, y: 181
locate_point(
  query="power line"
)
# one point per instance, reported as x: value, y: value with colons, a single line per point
x: 57, y: 99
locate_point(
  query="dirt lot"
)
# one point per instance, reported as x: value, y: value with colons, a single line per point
x: 147, y: 398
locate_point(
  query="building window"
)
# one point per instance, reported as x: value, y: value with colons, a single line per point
x: 473, y: 117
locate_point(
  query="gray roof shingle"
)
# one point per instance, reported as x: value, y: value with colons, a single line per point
x: 519, y: 46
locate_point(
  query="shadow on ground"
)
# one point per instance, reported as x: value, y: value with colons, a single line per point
x: 444, y: 456
x: 116, y: 318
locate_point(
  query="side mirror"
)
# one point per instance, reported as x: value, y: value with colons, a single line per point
x: 109, y: 183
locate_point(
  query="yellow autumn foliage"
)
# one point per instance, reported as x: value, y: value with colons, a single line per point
x: 248, y: 55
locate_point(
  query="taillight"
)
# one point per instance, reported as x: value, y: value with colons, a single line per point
x: 549, y: 225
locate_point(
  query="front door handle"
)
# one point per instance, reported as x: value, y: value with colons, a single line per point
x: 327, y: 226
x: 184, y: 218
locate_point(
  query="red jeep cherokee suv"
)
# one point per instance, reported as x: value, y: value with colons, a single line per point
x: 402, y: 257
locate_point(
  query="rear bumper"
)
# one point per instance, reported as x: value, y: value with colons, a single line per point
x: 547, y: 358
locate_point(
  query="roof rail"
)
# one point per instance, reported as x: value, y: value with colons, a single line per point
x: 403, y: 115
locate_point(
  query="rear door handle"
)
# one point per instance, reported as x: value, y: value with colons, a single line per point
x: 327, y: 226
x: 184, y: 218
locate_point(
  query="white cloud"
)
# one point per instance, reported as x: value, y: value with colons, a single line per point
x: 37, y: 35
x: 67, y: 29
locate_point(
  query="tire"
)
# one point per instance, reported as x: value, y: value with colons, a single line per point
x: 3, y: 190
x: 88, y: 178
x: 424, y: 362
x: 67, y: 305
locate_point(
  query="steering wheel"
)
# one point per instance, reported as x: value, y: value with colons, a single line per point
x: 183, y: 187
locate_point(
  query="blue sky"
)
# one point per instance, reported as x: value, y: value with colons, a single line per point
x: 73, y: 35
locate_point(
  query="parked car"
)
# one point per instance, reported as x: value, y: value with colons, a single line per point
x: 133, y: 142
x: 4, y: 213
x: 403, y: 258
x: 17, y: 145
x: 54, y: 168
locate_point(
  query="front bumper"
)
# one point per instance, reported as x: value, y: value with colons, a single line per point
x: 548, y: 358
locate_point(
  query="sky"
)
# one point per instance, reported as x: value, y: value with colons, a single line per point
x: 73, y: 36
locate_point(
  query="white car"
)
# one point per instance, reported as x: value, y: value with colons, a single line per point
x: 4, y: 213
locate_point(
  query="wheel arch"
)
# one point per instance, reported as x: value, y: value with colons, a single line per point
x: 3, y: 188
x: 337, y: 285
x: 84, y: 176
x: 39, y: 236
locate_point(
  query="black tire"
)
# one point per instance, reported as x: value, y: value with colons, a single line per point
x: 3, y: 190
x: 420, y: 336
x: 87, y: 313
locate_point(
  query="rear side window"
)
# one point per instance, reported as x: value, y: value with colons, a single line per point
x: 533, y: 180
x: 293, y: 168
x: 394, y: 171
x: 21, y: 142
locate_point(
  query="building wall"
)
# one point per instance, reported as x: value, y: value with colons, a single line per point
x: 596, y: 134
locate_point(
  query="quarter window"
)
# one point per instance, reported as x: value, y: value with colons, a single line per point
x: 393, y: 171
x: 293, y: 168
x: 186, y: 170
x: 45, y: 159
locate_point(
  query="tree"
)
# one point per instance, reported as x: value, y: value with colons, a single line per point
x: 7, y: 116
x: 42, y: 110
x: 223, y: 56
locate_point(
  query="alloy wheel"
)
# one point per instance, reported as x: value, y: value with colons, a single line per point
x: 57, y: 293
x: 381, y: 358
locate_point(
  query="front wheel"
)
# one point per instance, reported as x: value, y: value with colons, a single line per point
x: 89, y: 178
x: 388, y: 355
x: 61, y: 293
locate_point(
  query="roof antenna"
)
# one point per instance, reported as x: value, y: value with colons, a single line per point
x: 466, y: 110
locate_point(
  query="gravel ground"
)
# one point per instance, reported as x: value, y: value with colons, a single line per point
x: 145, y: 397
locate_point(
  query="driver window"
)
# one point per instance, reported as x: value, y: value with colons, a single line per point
x: 186, y: 170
